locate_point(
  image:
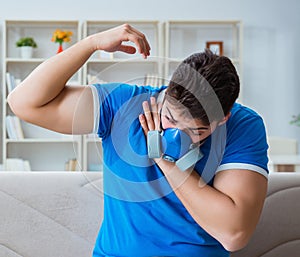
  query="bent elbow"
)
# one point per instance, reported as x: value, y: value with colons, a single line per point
x: 15, y: 105
x: 12, y: 103
x: 236, y: 241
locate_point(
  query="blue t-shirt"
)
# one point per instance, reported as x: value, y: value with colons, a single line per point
x: 142, y: 214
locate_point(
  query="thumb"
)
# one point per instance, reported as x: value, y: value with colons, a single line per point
x: 127, y: 49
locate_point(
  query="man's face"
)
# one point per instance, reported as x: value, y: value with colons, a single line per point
x: 172, y: 117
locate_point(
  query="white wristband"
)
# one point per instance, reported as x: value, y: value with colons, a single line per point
x: 153, y: 143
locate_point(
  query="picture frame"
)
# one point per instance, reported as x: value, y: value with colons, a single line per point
x: 215, y: 46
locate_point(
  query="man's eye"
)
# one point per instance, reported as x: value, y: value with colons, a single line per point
x: 170, y: 120
x: 196, y: 133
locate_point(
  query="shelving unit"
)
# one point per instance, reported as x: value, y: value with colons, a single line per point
x: 44, y: 149
x: 170, y: 41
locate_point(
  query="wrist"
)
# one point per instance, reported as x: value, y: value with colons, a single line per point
x: 174, y: 175
x: 92, y: 43
x: 165, y: 166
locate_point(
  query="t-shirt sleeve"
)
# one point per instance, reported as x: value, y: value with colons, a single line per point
x: 107, y: 100
x: 117, y: 104
x: 246, y: 146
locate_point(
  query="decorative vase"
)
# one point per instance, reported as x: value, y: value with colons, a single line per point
x: 26, y: 52
x: 60, y: 49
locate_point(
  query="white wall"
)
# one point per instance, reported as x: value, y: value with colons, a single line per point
x: 271, y: 41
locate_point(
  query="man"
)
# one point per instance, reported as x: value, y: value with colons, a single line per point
x: 154, y: 206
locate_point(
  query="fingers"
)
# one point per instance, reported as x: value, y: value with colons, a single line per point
x: 148, y: 115
x: 158, y: 125
x: 143, y: 124
x: 127, y: 49
x: 138, y: 39
x: 155, y: 113
x: 112, y: 40
x: 150, y: 120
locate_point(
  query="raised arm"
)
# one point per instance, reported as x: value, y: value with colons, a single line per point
x: 44, y: 99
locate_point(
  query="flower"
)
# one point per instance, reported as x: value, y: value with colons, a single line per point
x: 60, y: 36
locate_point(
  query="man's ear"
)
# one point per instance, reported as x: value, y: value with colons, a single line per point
x: 223, y: 121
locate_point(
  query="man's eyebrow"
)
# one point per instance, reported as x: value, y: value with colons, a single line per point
x: 199, y: 128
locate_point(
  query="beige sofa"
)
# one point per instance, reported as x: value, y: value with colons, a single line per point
x: 58, y: 214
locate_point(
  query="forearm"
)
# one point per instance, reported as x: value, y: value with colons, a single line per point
x: 50, y: 77
x: 213, y: 210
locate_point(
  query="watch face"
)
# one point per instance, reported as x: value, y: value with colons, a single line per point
x: 169, y: 158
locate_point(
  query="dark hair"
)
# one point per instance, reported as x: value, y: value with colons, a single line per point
x: 206, y: 84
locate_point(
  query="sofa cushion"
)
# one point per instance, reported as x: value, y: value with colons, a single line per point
x: 49, y: 214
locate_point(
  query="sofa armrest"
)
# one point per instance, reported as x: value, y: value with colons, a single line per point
x: 278, y: 231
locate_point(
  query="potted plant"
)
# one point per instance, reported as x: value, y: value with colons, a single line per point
x: 26, y: 45
x: 295, y: 120
x: 60, y: 37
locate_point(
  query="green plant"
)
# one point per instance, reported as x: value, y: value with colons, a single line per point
x: 295, y: 120
x: 26, y: 41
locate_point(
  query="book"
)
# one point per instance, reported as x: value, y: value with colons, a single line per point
x: 10, y: 129
x: 71, y: 165
x: 11, y: 82
x: 17, y: 164
x: 18, y: 127
x: 26, y: 165
x: 14, y: 127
